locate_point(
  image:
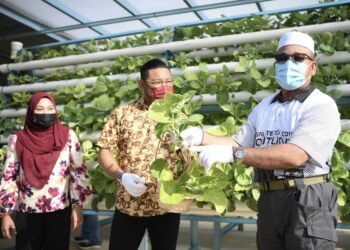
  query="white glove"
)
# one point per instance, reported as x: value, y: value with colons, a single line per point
x: 134, y: 184
x: 208, y: 155
x: 192, y: 136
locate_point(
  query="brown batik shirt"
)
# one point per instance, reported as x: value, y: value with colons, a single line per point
x: 130, y: 133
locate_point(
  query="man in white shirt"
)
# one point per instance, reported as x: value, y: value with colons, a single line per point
x: 289, y: 139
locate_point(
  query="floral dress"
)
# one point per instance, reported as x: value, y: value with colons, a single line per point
x: 68, y: 183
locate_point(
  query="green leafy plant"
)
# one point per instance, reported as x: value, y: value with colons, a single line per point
x: 221, y: 186
x: 86, y: 108
x: 3, y: 151
x: 193, y: 183
x: 173, y: 114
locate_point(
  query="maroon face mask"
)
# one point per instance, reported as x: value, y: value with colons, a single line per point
x: 159, y: 92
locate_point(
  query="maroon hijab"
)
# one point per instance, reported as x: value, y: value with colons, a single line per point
x: 38, y: 149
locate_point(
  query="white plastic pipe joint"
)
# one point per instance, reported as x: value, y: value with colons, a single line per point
x: 15, y: 47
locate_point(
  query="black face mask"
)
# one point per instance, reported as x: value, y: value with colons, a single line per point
x: 44, y: 120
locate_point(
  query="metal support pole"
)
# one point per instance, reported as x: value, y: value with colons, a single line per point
x: 226, y: 229
x: 216, y: 236
x: 194, y: 244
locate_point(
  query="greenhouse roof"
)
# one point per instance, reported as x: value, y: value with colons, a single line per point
x: 68, y: 21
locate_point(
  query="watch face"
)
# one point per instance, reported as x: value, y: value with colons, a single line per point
x: 239, y: 153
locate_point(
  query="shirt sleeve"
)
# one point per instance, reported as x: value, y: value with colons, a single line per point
x: 318, y: 131
x: 245, y: 136
x: 80, y: 185
x: 8, y: 187
x: 109, y: 134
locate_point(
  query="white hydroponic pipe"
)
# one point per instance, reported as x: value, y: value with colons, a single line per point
x: 203, y: 53
x: 187, y: 45
x: 222, y: 51
x: 336, y: 58
x: 23, y: 111
x: 207, y: 99
x: 345, y: 125
x: 242, y: 96
x: 93, y: 136
x: 210, y: 99
x: 46, y: 71
x: 47, y: 86
x: 83, y: 137
x: 345, y: 88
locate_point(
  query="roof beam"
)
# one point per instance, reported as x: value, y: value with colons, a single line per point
x: 133, y: 11
x: 191, y: 3
x: 136, y: 17
x: 129, y: 33
x: 73, y: 14
x: 28, y: 22
x: 259, y: 7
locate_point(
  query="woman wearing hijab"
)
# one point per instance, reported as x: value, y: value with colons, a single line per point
x: 44, y: 180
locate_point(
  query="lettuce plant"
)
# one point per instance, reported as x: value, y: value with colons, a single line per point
x: 173, y: 114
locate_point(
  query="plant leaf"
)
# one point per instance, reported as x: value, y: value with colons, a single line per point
x: 168, y: 193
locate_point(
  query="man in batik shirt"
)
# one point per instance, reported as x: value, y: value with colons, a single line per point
x: 131, y: 134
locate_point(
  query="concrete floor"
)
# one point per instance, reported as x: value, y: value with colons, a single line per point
x: 234, y: 240
x: 238, y: 240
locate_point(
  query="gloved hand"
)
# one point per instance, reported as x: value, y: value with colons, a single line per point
x: 134, y: 184
x: 192, y: 136
x: 208, y: 155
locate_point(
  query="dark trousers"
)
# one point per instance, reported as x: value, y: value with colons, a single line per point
x: 298, y: 219
x: 127, y: 231
x: 43, y: 231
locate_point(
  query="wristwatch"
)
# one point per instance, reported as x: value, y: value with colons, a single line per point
x: 238, y: 154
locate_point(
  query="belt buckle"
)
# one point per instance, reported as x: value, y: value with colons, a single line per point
x: 285, y: 183
x: 265, y: 186
x: 289, y: 183
x: 327, y: 177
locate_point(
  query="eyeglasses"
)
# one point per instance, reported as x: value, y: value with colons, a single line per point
x: 296, y: 57
x: 156, y: 82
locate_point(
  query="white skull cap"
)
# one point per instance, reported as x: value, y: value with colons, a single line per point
x: 296, y: 38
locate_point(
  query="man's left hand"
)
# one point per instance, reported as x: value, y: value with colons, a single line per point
x: 208, y: 155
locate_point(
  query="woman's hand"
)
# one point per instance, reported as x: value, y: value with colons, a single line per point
x: 7, y: 225
x: 77, y: 216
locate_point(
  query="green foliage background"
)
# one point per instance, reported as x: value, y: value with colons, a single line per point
x: 106, y: 94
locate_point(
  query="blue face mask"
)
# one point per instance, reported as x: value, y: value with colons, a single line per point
x: 290, y: 75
